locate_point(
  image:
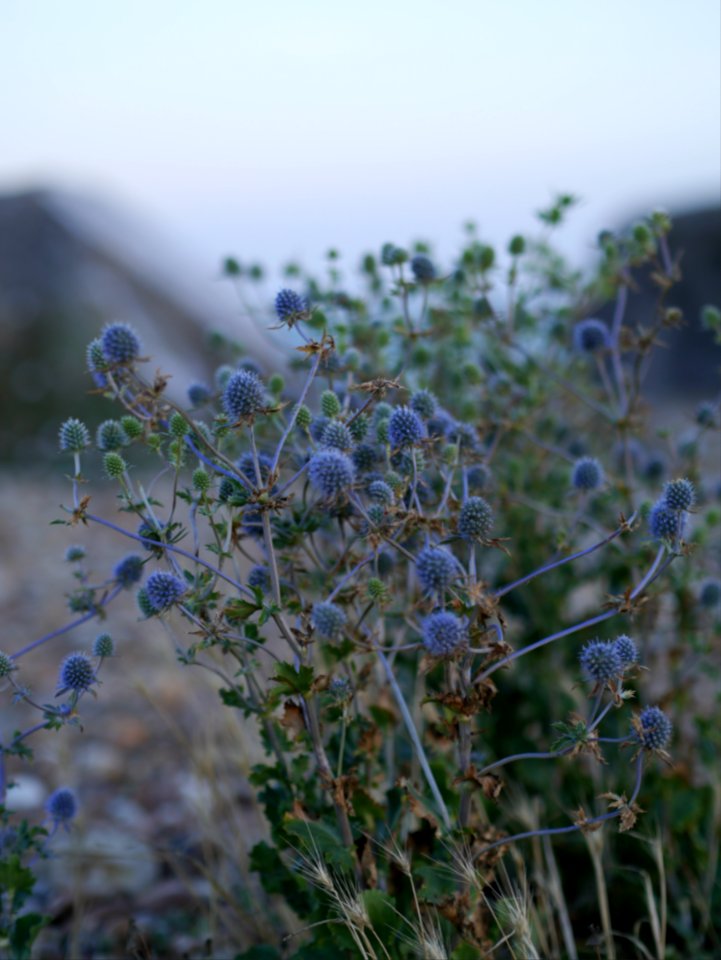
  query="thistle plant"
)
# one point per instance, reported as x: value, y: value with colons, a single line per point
x: 373, y: 549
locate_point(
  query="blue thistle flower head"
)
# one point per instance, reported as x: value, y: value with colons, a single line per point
x: 77, y: 673
x: 336, y: 435
x: 423, y: 269
x: 246, y: 465
x: 95, y: 356
x: 75, y: 552
x: 626, y: 649
x: 405, y: 427
x: 259, y: 577
x: 654, y: 728
x: 148, y: 531
x: 120, y: 343
x: 289, y: 304
x: 198, y: 394
x: 317, y: 426
x: 103, y: 646
x: 679, y: 495
x: 475, y: 520
x: 6, y: 665
x: 443, y: 633
x: 589, y: 336
x: 61, y: 806
x: 379, y: 491
x: 74, y: 436
x: 243, y: 395
x: 111, y: 436
x: 331, y: 473
x: 424, y: 403
x: 664, y: 523
x: 478, y: 477
x: 707, y: 415
x: 436, y: 569
x: 587, y: 474
x: 129, y: 570
x: 328, y: 620
x: 601, y: 661
x: 163, y: 590
x: 464, y: 434
x: 710, y: 593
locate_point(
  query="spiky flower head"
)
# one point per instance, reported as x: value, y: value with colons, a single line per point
x: 144, y: 605
x: 289, y: 304
x: 478, y: 477
x: 380, y: 492
x: 359, y: 427
x: 328, y: 620
x: 95, y: 357
x: 163, y: 590
x: 679, y: 495
x: 198, y: 394
x: 222, y: 375
x: 6, y: 665
x: 246, y: 465
x: 336, y: 435
x: 391, y: 254
x: 74, y: 436
x: 331, y: 473
x: 243, y: 395
x: 423, y: 269
x: 201, y: 480
x: 317, y: 426
x: 103, y: 646
x: 376, y: 514
x: 590, y: 336
x: 601, y: 661
x: 475, y: 520
x: 111, y: 436
x: 377, y: 590
x: 587, y: 474
x: 436, y: 569
x: 232, y: 492
x: 303, y: 417
x: 654, y: 729
x: 443, y: 633
x: 710, y: 593
x: 61, y: 806
x: 424, y: 403
x: 404, y: 427
x: 626, y: 649
x: 114, y: 465
x: 259, y: 577
x: 340, y: 689
x: 75, y: 552
x: 664, y: 523
x: 329, y: 404
x: 128, y: 571
x: 382, y: 432
x: 77, y: 672
x: 120, y: 343
x: 132, y: 426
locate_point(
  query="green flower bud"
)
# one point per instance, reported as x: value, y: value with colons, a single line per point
x: 114, y: 465
x: 303, y: 417
x: 329, y: 404
x: 201, y: 480
x: 178, y: 425
x: 132, y: 426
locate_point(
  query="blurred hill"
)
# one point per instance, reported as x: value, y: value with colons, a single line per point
x: 68, y: 265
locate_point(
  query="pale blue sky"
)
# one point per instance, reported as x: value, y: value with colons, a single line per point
x: 278, y: 131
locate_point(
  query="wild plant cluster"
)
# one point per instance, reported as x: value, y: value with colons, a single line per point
x: 434, y: 559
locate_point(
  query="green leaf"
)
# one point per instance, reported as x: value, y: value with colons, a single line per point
x: 23, y: 934
x: 239, y: 610
x: 382, y: 911
x: 292, y: 680
x: 315, y: 836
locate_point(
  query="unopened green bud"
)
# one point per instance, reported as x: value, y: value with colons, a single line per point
x: 114, y: 465
x: 329, y: 404
x: 201, y: 480
x: 178, y: 425
x: 132, y: 426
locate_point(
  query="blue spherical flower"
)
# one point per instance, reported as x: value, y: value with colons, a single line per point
x: 404, y: 427
x: 478, y: 477
x: 443, y: 633
x: 655, y: 728
x: 328, y: 620
x: 601, y: 661
x: 120, y: 343
x: 75, y: 553
x: 94, y: 356
x: 163, y: 590
x: 424, y: 403
x: 129, y: 570
x: 6, y: 665
x: 331, y: 473
x: 464, y: 434
x: 587, y: 474
x: 439, y: 424
x: 679, y: 495
x: 246, y: 465
x: 664, y: 523
x: 436, y: 569
x: 336, y: 435
x: 103, y: 646
x: 198, y: 394
x: 74, y: 436
x: 475, y: 520
x: 626, y: 649
x: 148, y: 531
x: 317, y: 426
x: 77, y: 672
x: 710, y: 593
x: 243, y: 395
x: 379, y: 491
x: 590, y: 336
x: 61, y: 805
x: 111, y: 436
x: 423, y: 269
x: 289, y: 304
x: 259, y: 577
